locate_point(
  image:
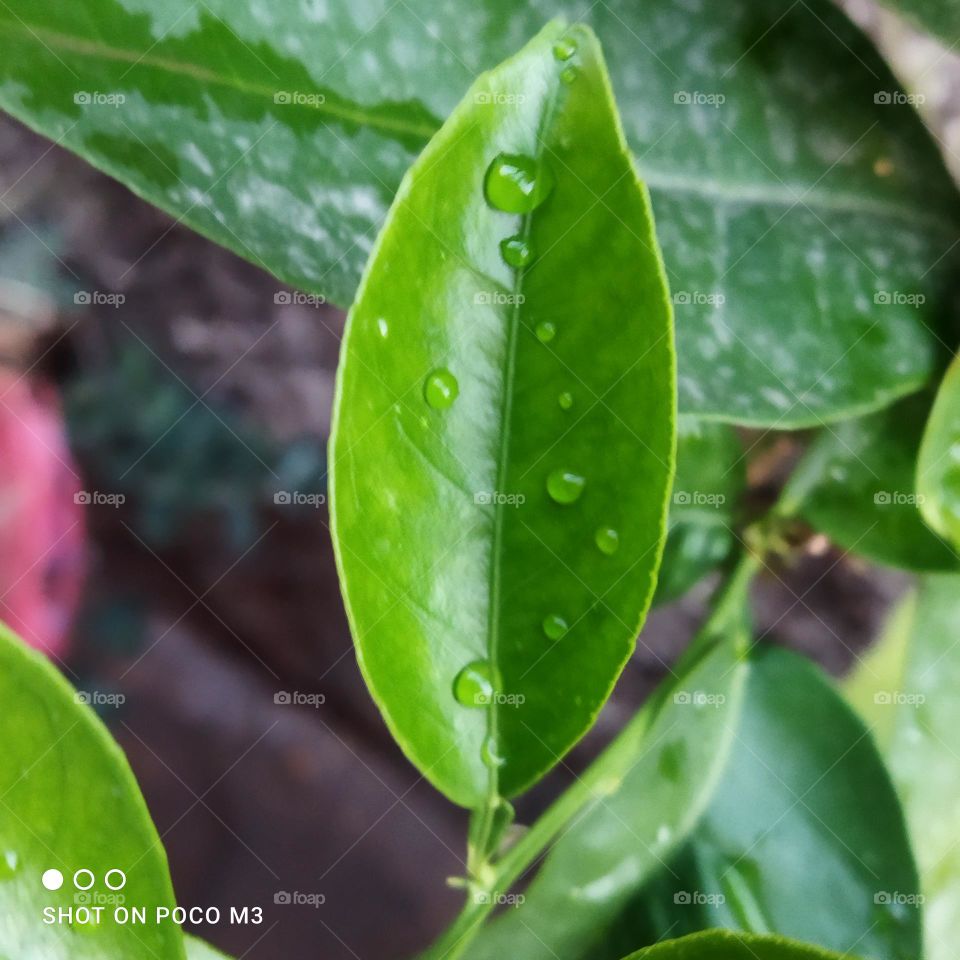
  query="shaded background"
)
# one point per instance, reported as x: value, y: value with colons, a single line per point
x: 207, y: 602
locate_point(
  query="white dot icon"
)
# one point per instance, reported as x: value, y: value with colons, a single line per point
x: 52, y: 879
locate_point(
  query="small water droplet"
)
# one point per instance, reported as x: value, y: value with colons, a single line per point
x: 565, y: 400
x: 516, y: 183
x: 565, y: 48
x: 554, y: 626
x: 607, y: 540
x: 383, y: 328
x: 473, y: 685
x: 441, y: 389
x: 9, y: 863
x: 569, y: 74
x: 565, y: 487
x: 489, y: 754
x: 516, y: 251
x: 545, y: 331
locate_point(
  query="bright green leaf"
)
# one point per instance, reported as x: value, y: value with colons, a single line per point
x: 938, y: 467
x: 785, y: 846
x: 478, y: 518
x: 662, y: 784
x: 863, y: 496
x: 807, y: 220
x: 921, y: 740
x: 198, y: 950
x: 724, y: 945
x: 68, y: 802
x: 711, y: 477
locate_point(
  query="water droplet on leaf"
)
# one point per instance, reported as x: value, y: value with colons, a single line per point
x: 383, y: 328
x: 441, y: 389
x: 568, y: 74
x: 516, y: 252
x: 565, y: 400
x: 565, y: 48
x: 545, y: 331
x: 9, y: 863
x: 607, y: 540
x: 564, y: 486
x: 489, y: 754
x: 473, y: 685
x: 516, y: 183
x: 554, y: 626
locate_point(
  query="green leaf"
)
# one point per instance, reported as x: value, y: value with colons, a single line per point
x: 912, y: 676
x: 479, y: 519
x: 938, y: 466
x: 653, y: 800
x: 711, y: 477
x: 198, y: 950
x: 864, y: 495
x: 801, y: 220
x: 68, y: 802
x: 724, y: 945
x: 790, y: 808
x: 940, y: 17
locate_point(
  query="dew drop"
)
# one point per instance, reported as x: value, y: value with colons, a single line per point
x: 516, y: 251
x: 565, y: 400
x: 565, y: 487
x: 554, y: 626
x: 568, y: 74
x: 383, y: 328
x: 516, y: 183
x: 545, y: 331
x: 607, y: 540
x: 473, y: 685
x: 441, y: 389
x: 9, y: 863
x: 489, y: 754
x: 565, y: 48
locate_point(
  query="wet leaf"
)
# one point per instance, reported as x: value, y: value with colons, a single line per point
x: 723, y: 945
x: 938, y: 466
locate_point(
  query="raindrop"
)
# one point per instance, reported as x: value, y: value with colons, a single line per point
x: 441, y: 389
x: 473, y: 685
x: 516, y: 251
x: 516, y: 183
x: 9, y: 863
x: 565, y: 487
x: 565, y: 48
x: 568, y: 74
x: 554, y: 626
x: 565, y: 400
x: 489, y: 755
x: 545, y: 331
x: 607, y: 540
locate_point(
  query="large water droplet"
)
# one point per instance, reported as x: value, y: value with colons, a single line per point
x: 607, y: 540
x: 545, y: 331
x: 441, y: 389
x: 565, y: 400
x: 565, y: 48
x: 554, y: 626
x: 473, y: 685
x: 489, y: 754
x: 564, y: 486
x: 516, y: 183
x: 516, y: 252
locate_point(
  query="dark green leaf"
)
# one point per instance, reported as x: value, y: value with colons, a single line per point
x: 801, y: 219
x: 938, y: 467
x: 68, y: 802
x: 479, y: 516
x: 723, y: 945
x: 627, y: 834
x: 907, y: 690
x: 711, y: 476
x: 786, y: 846
x: 864, y: 495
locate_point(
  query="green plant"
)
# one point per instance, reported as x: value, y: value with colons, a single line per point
x: 506, y: 441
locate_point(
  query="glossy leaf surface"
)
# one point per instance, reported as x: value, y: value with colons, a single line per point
x: 503, y: 436
x: 906, y: 688
x: 865, y: 495
x: 938, y: 467
x: 724, y: 945
x: 664, y: 781
x: 784, y: 846
x: 68, y: 802
x: 809, y: 227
